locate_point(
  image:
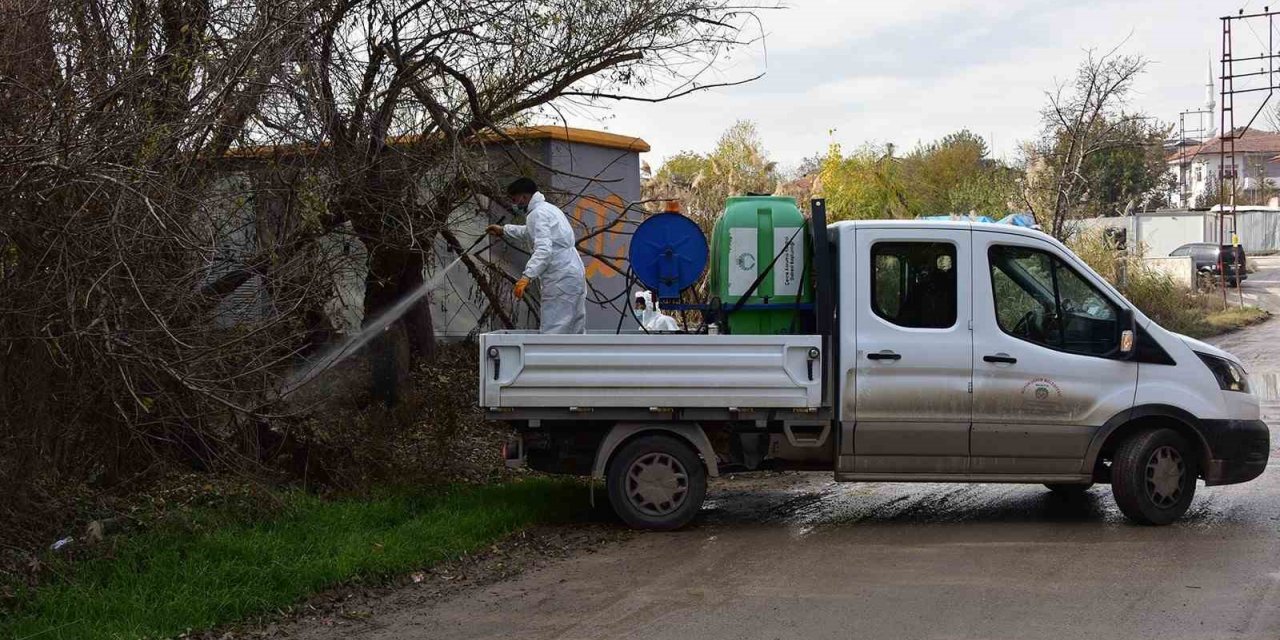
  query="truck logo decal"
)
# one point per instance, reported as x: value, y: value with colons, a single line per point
x: 1042, y: 389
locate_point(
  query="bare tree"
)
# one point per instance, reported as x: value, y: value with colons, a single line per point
x: 411, y: 107
x: 173, y: 174
x: 1084, y: 117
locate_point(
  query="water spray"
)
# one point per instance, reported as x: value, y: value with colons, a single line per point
x: 355, y: 342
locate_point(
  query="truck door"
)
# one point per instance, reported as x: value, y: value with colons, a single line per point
x: 1047, y: 372
x: 913, y: 361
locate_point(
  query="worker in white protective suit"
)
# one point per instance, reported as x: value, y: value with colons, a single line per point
x: 649, y: 316
x: 554, y: 259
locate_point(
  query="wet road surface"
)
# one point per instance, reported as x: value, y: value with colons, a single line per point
x: 798, y: 556
x: 1262, y: 288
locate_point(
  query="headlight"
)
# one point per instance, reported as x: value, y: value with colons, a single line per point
x: 1231, y: 376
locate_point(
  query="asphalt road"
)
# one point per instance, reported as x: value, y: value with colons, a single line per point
x: 1262, y: 288
x: 798, y: 556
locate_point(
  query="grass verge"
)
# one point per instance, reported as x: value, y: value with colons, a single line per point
x: 1232, y: 319
x: 175, y: 579
x: 1198, y: 314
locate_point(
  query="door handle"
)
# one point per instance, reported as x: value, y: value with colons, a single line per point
x: 494, y: 354
x: 1002, y: 358
x: 884, y: 355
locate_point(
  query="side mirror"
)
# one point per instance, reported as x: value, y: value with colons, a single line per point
x: 1128, y: 335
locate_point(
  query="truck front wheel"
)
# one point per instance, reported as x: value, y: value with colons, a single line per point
x: 656, y: 482
x: 1153, y: 476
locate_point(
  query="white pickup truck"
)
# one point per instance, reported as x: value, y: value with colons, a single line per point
x: 943, y: 352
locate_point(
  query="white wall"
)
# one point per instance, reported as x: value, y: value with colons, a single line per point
x: 1161, y: 234
x: 1181, y: 269
x: 1156, y: 234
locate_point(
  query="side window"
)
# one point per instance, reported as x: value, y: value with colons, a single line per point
x: 1181, y: 251
x: 1040, y: 299
x: 913, y: 284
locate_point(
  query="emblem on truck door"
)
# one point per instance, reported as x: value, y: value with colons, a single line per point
x: 746, y: 261
x: 1041, y: 390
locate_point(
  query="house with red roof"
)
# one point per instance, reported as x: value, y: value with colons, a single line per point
x: 1253, y: 157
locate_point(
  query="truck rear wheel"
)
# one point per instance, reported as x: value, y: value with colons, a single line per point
x: 1154, y: 476
x: 656, y: 482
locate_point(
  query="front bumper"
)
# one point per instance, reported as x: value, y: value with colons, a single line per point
x: 1239, y: 450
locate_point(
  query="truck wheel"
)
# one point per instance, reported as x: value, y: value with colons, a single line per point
x: 656, y: 482
x: 1154, y: 476
x: 1068, y: 490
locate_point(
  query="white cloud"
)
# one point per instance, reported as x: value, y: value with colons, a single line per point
x: 814, y: 25
x: 905, y: 72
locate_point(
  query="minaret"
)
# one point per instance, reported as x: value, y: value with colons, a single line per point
x: 1209, y: 101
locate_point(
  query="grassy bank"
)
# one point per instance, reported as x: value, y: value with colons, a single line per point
x: 1231, y: 319
x: 1198, y: 314
x: 215, y: 570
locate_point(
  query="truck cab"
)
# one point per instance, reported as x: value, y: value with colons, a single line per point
x: 940, y: 352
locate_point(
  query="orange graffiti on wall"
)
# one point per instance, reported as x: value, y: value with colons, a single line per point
x: 593, y: 214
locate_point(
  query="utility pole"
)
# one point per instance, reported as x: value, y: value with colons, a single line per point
x: 1198, y: 133
x: 1256, y: 72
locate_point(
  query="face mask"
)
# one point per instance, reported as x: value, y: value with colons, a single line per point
x: 520, y: 209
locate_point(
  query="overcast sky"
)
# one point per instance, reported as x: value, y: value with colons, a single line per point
x: 904, y: 71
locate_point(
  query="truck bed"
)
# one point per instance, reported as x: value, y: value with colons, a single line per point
x: 638, y: 370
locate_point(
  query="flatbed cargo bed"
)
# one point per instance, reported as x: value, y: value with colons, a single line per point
x: 528, y: 370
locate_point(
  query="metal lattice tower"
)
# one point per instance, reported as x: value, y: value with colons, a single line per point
x: 1199, y: 133
x: 1257, y: 74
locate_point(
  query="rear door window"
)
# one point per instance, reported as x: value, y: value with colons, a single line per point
x: 914, y: 283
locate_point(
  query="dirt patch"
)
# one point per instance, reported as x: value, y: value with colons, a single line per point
x: 341, y: 612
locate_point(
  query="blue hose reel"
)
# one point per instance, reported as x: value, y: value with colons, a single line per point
x: 668, y: 254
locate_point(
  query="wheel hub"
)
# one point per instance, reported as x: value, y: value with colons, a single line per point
x: 657, y: 484
x: 1165, y: 473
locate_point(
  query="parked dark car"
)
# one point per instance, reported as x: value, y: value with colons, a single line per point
x: 1205, y: 257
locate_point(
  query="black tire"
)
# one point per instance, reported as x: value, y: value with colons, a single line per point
x: 1153, y: 476
x: 656, y: 482
x: 1068, y: 490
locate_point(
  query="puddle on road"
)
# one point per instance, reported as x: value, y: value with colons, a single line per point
x: 1266, y: 385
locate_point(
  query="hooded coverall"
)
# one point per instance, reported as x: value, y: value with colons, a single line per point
x: 555, y: 264
x: 652, y: 318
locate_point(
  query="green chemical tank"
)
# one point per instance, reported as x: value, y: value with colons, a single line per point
x: 747, y: 236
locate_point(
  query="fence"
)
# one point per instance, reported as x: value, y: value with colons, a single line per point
x: 1159, y: 233
x: 1259, y: 229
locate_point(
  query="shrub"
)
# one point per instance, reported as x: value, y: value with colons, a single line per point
x: 1172, y: 306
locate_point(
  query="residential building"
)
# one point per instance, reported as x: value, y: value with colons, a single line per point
x: 1255, y: 164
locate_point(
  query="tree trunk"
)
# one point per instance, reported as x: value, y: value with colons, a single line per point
x: 417, y: 319
x: 393, y: 275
